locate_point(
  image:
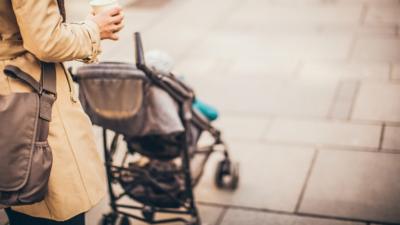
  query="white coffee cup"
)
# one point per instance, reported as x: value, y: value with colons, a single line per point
x: 103, y: 5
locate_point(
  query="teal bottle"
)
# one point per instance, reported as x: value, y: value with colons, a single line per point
x: 208, y: 111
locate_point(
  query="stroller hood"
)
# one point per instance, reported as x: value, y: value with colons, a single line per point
x: 119, y: 97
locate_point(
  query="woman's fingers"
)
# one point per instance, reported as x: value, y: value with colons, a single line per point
x: 114, y: 37
x: 117, y: 27
x: 114, y: 11
x: 116, y: 19
x: 110, y: 22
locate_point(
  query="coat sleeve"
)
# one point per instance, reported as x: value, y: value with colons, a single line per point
x: 49, y: 39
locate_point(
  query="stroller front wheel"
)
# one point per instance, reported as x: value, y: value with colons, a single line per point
x: 227, y: 175
x: 194, y: 221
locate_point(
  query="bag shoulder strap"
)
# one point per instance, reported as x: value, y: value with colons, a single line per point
x: 48, y: 95
x: 17, y: 73
x: 46, y: 88
x: 47, y: 78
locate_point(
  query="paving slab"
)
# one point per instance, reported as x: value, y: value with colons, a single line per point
x: 395, y: 72
x: 251, y: 14
x: 321, y: 132
x: 357, y: 185
x: 271, y: 177
x: 266, y: 96
x: 209, y: 216
x: 391, y: 138
x: 378, y: 102
x: 186, y: 27
x: 256, y: 68
x: 295, y: 3
x: 380, y: 49
x: 240, y: 217
x: 383, y: 15
x: 200, y: 67
x: 290, y: 47
x: 251, y: 68
x: 374, y: 3
x: 227, y: 96
x: 368, y: 30
x: 344, y: 71
x: 239, y: 128
x: 310, y: 99
x: 191, y: 14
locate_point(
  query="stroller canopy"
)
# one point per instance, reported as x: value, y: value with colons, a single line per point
x: 119, y: 97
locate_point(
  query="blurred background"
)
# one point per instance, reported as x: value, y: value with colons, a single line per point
x: 309, y: 95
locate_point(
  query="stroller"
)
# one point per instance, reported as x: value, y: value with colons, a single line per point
x: 153, y: 113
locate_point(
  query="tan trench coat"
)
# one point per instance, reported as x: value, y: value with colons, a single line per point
x: 32, y: 30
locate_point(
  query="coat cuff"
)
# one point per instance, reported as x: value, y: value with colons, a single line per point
x: 94, y: 34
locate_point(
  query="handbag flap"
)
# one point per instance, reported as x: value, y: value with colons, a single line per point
x: 18, y: 119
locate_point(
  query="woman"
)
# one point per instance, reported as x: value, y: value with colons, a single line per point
x: 33, y: 31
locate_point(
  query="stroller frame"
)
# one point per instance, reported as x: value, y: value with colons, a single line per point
x: 184, y: 96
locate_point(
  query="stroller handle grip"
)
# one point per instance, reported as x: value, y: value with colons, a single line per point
x: 140, y: 61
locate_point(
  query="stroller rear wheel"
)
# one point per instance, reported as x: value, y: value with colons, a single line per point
x: 227, y: 174
x: 148, y: 213
x: 125, y: 221
x: 109, y: 219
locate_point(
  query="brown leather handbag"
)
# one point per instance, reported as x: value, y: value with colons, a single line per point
x: 25, y: 155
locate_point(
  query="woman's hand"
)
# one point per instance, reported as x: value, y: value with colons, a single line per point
x: 109, y: 22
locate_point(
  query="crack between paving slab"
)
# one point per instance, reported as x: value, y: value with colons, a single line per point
x: 327, y: 146
x: 296, y: 73
x: 382, y: 137
x: 361, y: 19
x: 352, y: 46
x: 363, y: 14
x: 391, y: 71
x: 345, y: 219
x: 265, y: 131
x: 222, y: 215
x: 335, y: 99
x: 308, y: 176
x: 268, y: 115
x: 354, y: 99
